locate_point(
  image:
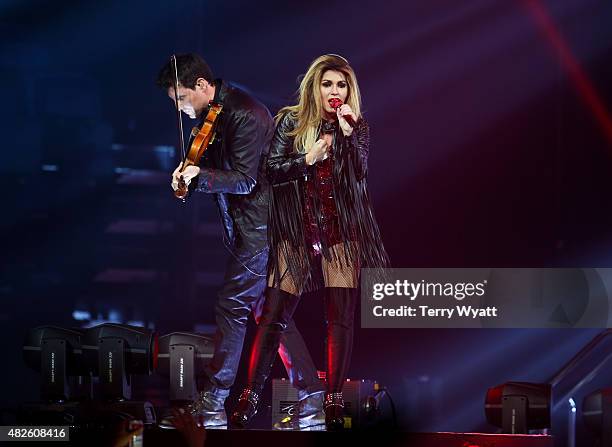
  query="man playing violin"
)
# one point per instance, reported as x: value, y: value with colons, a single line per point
x: 233, y: 172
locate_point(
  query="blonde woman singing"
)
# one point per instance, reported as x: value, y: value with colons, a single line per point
x: 322, y: 228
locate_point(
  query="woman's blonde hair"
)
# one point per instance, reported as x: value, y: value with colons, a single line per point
x: 308, y: 110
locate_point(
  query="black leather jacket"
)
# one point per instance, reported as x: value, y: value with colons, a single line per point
x: 233, y: 169
x: 359, y: 230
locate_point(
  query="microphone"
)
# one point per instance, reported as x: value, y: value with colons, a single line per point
x: 335, y: 103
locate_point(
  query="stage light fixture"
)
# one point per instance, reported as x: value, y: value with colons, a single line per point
x: 182, y: 358
x: 518, y: 407
x: 56, y: 353
x: 597, y: 414
x: 114, y: 352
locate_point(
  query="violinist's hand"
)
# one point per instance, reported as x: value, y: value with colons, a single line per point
x: 342, y: 111
x: 318, y: 152
x: 188, y: 174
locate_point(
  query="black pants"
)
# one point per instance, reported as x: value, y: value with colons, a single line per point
x: 242, y: 293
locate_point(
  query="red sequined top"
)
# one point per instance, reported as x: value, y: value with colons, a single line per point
x: 319, y: 185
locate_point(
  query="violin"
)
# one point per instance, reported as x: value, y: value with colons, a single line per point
x: 202, y: 137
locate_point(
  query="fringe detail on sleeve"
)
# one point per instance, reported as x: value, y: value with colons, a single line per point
x: 356, y: 213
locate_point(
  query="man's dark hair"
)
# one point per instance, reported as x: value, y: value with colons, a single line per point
x: 190, y: 67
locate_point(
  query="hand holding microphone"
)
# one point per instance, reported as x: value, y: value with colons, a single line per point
x: 346, y: 118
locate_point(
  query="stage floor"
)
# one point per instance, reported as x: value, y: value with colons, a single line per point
x: 271, y: 438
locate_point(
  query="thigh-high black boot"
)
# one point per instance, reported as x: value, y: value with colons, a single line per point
x: 340, y: 304
x: 277, y: 312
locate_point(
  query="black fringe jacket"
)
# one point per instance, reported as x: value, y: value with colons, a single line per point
x: 359, y: 231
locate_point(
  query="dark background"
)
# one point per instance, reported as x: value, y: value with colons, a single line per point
x: 491, y: 145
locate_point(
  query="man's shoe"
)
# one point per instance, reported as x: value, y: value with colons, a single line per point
x: 307, y: 414
x: 246, y: 408
x: 208, y: 410
x: 334, y: 411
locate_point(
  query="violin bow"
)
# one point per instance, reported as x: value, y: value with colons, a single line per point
x: 178, y: 111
